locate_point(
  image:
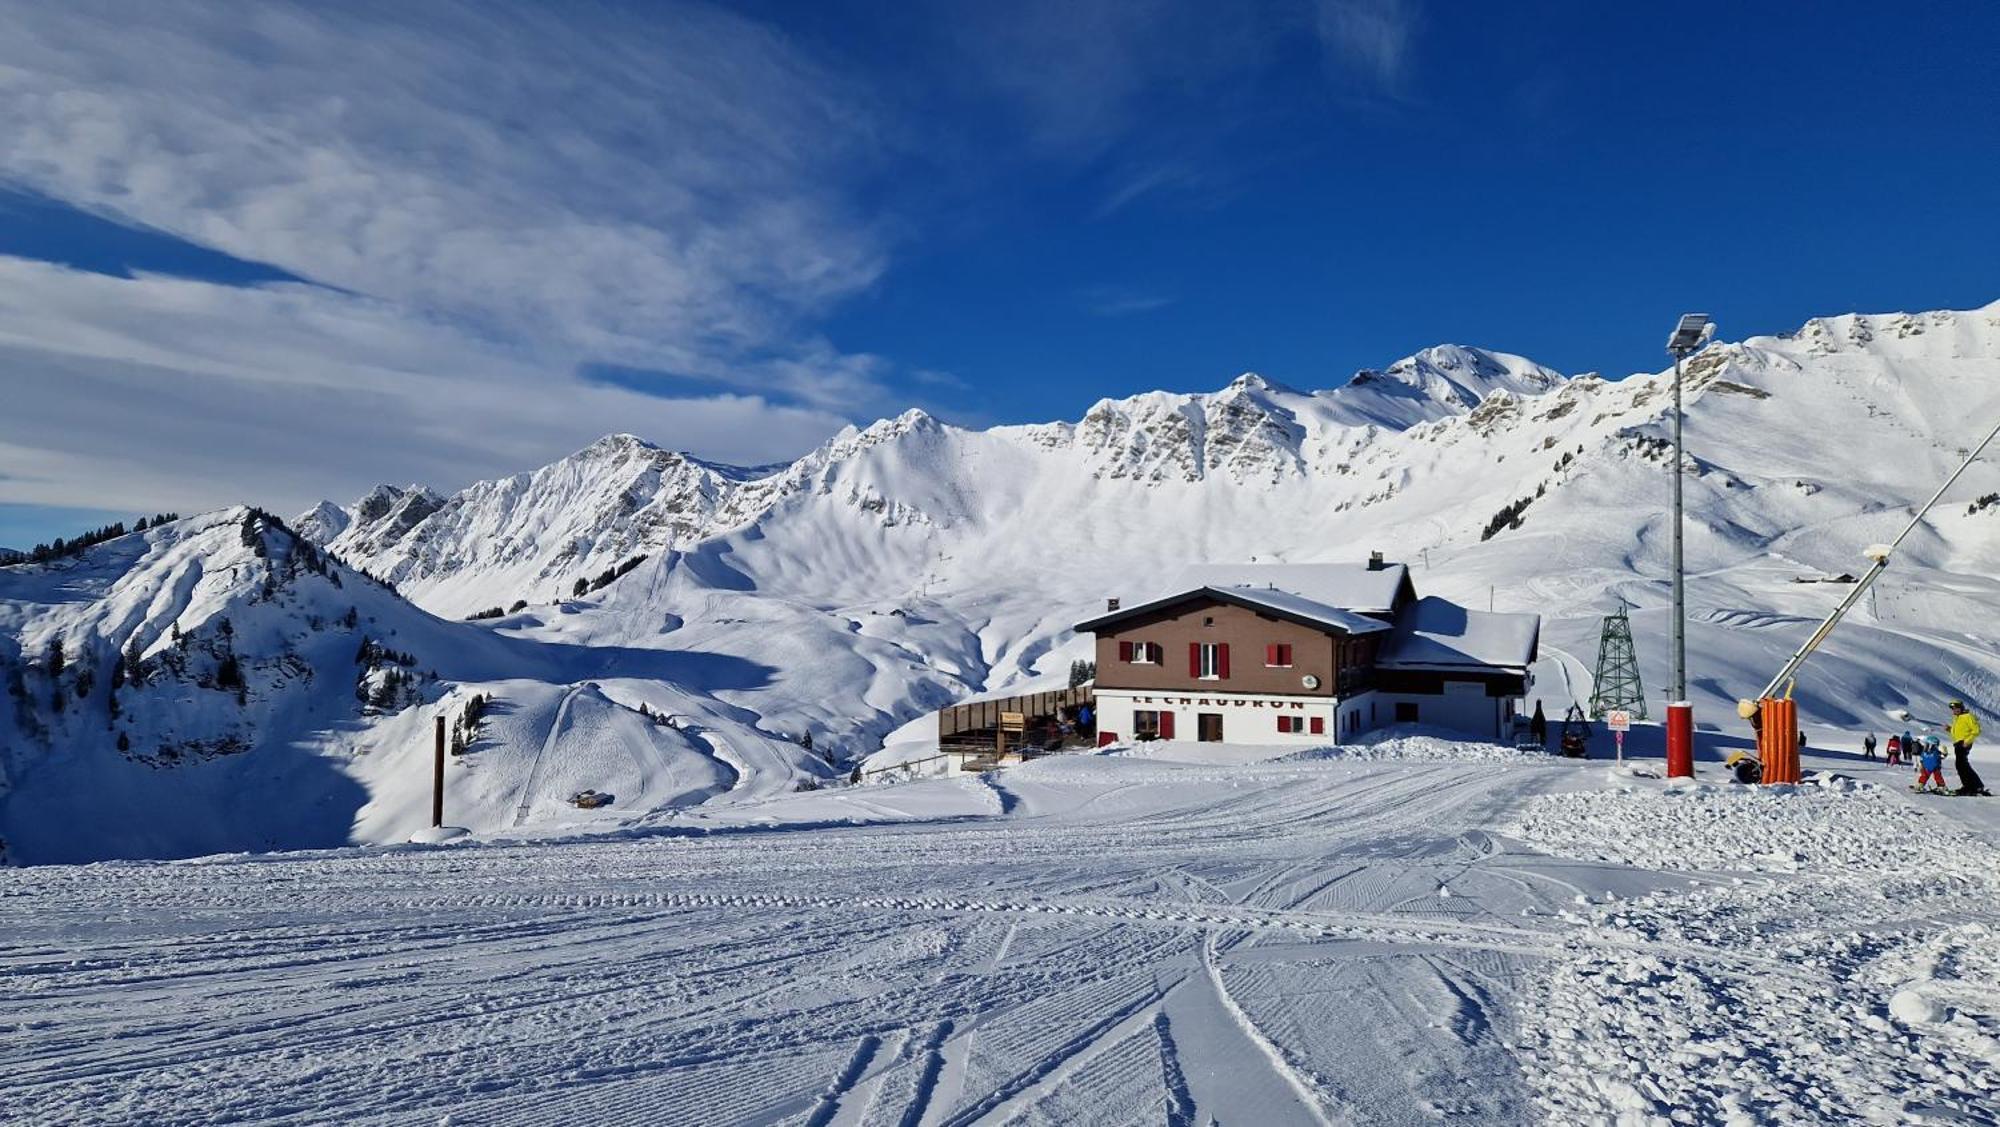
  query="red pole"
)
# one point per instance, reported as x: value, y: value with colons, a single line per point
x: 437, y: 776
x: 1680, y: 740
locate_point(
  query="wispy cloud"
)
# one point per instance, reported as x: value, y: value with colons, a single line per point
x: 158, y: 392
x: 1371, y: 37
x: 1116, y: 301
x: 665, y: 192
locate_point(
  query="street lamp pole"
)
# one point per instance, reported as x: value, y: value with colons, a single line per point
x: 1680, y: 688
x: 1694, y: 330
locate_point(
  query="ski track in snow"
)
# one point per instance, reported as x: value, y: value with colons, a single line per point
x: 1311, y: 941
x: 548, y: 745
x: 1045, y: 965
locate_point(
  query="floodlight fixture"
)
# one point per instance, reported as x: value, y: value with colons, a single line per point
x: 1694, y: 331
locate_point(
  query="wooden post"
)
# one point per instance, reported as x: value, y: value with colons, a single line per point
x: 437, y: 776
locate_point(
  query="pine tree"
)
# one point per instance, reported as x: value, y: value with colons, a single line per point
x: 124, y: 742
x: 54, y: 661
x: 228, y: 673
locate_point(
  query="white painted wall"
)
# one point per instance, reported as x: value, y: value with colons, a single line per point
x: 1464, y: 707
x: 1248, y: 718
x: 1252, y: 717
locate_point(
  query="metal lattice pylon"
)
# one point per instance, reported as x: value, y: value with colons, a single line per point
x: 1617, y: 683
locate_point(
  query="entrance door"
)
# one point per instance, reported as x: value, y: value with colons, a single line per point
x: 1209, y: 726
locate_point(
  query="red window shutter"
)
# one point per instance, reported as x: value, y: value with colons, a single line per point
x: 1222, y: 660
x: 1271, y: 654
x: 1284, y: 723
x: 1125, y: 652
x: 1319, y: 725
x: 1194, y: 659
x: 1166, y: 725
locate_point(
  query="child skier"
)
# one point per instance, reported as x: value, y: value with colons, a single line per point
x: 1930, y: 767
x: 1894, y: 750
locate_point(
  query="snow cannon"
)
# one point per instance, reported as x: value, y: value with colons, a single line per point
x: 1778, y: 740
x: 1777, y: 718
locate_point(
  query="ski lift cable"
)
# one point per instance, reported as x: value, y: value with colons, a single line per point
x: 1880, y: 553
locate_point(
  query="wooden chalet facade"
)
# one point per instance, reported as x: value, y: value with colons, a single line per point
x: 1305, y: 654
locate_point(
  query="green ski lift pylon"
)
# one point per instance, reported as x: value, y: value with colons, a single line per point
x: 1617, y: 684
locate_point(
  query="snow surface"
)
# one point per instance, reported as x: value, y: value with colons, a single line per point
x: 1171, y: 933
x: 909, y: 564
x: 1434, y: 632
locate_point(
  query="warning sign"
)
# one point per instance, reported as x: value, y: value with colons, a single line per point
x: 1618, y: 720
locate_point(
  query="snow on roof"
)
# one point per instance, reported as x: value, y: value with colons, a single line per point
x: 1283, y: 604
x: 1298, y: 606
x: 1435, y: 632
x: 1349, y: 586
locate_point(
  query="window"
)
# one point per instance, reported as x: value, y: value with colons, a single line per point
x: 1288, y: 723
x: 1141, y: 653
x: 1297, y: 725
x: 1208, y: 661
x: 1146, y: 725
x: 1278, y: 655
x: 1406, y: 712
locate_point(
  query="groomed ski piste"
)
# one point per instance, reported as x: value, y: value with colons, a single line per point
x: 1411, y: 931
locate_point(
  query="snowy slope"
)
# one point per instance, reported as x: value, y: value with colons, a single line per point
x: 1494, y: 477
x: 910, y: 563
x: 218, y: 683
x: 1410, y: 932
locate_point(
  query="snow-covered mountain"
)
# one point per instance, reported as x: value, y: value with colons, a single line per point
x: 220, y: 682
x: 910, y: 562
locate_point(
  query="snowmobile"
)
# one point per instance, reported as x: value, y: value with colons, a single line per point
x: 1575, y: 740
x: 589, y: 800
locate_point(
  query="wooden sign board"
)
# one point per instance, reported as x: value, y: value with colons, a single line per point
x: 1013, y: 721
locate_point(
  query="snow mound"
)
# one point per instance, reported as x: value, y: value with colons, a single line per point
x: 1717, y: 829
x: 1775, y: 999
x: 1912, y: 1008
x: 1408, y: 746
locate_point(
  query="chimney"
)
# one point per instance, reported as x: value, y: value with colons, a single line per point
x: 1110, y: 605
x: 1375, y: 561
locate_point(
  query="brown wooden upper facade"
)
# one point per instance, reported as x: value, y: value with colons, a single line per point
x: 1207, y: 640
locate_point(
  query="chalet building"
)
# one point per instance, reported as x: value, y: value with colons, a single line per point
x: 1306, y: 653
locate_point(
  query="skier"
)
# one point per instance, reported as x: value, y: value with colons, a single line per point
x: 1895, y: 750
x: 1930, y: 766
x: 1538, y: 727
x: 1868, y: 747
x: 1964, y: 730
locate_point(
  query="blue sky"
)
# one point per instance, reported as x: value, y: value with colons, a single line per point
x: 282, y: 257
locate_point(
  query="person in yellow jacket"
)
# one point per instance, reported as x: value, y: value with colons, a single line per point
x: 1964, y: 730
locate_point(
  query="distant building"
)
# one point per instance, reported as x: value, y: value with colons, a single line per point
x: 1306, y: 653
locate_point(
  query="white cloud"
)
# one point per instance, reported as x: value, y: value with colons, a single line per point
x: 490, y: 195
x: 1369, y: 36
x: 666, y: 192
x: 154, y: 393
